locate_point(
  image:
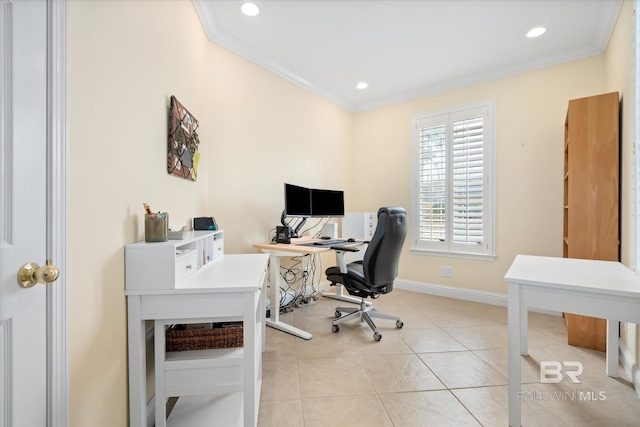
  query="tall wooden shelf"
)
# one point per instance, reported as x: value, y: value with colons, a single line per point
x: 591, y: 197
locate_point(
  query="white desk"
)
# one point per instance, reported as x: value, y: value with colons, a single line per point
x: 228, y: 288
x: 602, y: 289
x: 277, y: 251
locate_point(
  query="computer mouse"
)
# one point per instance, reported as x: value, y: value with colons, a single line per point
x: 351, y: 239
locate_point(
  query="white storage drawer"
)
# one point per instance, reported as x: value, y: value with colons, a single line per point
x: 160, y: 265
x: 206, y: 371
x: 218, y: 248
x: 186, y: 264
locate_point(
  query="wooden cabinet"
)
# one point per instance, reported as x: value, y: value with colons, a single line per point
x: 591, y: 196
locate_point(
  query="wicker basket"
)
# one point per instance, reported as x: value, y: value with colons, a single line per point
x: 179, y: 339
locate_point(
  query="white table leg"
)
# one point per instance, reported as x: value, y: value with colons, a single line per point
x: 161, y: 399
x: 524, y: 330
x: 137, y: 364
x: 274, y: 317
x: 515, y: 346
x: 613, y: 332
x: 250, y: 368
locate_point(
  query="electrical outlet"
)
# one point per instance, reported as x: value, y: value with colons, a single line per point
x: 447, y: 271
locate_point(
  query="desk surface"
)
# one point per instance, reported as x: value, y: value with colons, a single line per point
x: 293, y: 247
x: 607, y: 277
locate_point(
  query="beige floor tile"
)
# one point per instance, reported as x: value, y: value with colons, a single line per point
x: 462, y: 369
x: 426, y: 408
x: 480, y: 337
x: 445, y: 317
x: 314, y: 324
x: 333, y: 377
x: 411, y: 318
x: 539, y: 337
x: 488, y: 404
x: 363, y: 343
x: 281, y: 414
x: 395, y: 373
x: 352, y: 411
x: 498, y: 359
x: 569, y: 404
x: 325, y: 344
x: 280, y: 380
x: 430, y: 340
x: 322, y: 307
x: 620, y: 406
x: 279, y: 345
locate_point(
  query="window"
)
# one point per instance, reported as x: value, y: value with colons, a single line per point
x: 453, y: 177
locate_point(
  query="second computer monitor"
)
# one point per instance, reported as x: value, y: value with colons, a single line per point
x: 327, y: 203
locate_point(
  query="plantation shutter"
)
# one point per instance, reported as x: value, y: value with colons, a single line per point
x: 453, y: 173
x: 467, y: 180
x: 432, y: 182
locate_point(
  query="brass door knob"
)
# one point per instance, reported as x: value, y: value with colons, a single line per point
x: 31, y: 273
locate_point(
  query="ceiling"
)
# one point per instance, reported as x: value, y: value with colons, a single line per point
x: 406, y: 49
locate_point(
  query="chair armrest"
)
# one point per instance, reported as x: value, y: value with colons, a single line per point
x: 345, y: 248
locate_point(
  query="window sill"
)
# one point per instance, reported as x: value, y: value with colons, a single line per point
x: 426, y: 252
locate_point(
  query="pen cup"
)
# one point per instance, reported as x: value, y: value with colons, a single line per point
x: 156, y: 227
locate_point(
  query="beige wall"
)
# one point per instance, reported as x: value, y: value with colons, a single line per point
x: 125, y: 58
x: 620, y: 74
x: 530, y: 114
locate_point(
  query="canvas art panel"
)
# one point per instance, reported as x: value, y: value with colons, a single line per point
x: 183, y: 156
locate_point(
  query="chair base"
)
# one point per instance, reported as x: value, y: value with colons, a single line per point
x: 365, y: 313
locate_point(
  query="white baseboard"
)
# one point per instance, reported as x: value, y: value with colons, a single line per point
x: 151, y: 412
x: 450, y: 292
x: 630, y: 367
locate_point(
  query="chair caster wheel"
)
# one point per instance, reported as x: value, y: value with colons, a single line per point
x: 338, y: 314
x: 377, y: 336
x: 399, y: 324
x: 335, y: 328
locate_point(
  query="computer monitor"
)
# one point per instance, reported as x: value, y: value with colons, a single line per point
x: 297, y: 201
x: 327, y: 203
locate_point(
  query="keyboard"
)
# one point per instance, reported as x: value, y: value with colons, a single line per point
x: 326, y: 243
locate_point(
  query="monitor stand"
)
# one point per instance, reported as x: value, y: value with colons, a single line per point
x: 294, y: 231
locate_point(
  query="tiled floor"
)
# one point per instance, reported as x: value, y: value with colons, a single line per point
x: 446, y: 367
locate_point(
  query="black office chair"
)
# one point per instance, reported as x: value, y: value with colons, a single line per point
x: 374, y: 275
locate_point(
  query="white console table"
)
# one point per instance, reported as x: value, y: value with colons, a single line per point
x: 198, y: 284
x: 602, y: 289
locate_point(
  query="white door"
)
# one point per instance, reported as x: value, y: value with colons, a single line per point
x: 23, y: 133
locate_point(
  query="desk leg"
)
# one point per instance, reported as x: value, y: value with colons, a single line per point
x: 137, y: 364
x: 274, y: 319
x: 161, y: 399
x: 251, y: 354
x: 524, y: 330
x: 613, y: 345
x: 515, y: 318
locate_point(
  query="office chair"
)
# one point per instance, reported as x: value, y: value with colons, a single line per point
x: 374, y: 275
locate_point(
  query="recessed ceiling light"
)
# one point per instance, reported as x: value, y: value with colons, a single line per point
x: 535, y: 32
x: 250, y: 9
x: 362, y: 85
